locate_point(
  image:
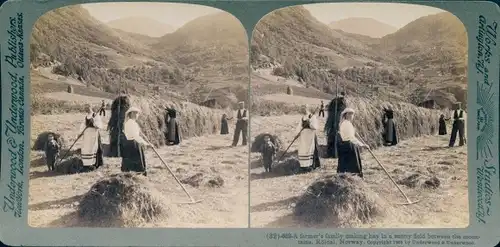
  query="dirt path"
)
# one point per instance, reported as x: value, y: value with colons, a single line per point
x: 53, y: 199
x: 272, y: 198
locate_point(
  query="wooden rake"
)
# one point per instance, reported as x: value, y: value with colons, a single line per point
x: 408, y: 201
x: 193, y: 201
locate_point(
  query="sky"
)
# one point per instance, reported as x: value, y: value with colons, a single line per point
x: 174, y: 14
x: 394, y: 14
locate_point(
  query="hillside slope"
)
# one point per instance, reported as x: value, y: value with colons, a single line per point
x: 424, y: 60
x: 141, y: 25
x: 363, y: 26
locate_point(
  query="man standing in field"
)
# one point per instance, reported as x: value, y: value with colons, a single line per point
x: 241, y: 125
x: 458, y: 126
x: 321, y: 110
x: 102, y: 110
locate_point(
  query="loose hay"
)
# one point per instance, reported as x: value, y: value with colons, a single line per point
x: 42, y: 138
x: 259, y: 141
x: 288, y: 166
x: 70, y: 165
x: 340, y: 200
x: 124, y: 199
x: 194, y: 120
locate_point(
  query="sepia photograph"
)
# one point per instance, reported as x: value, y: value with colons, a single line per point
x: 358, y: 117
x: 139, y: 117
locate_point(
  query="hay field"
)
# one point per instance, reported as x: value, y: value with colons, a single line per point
x: 273, y: 197
x: 54, y: 199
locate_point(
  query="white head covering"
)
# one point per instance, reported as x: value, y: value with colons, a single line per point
x: 345, y: 111
x: 132, y: 109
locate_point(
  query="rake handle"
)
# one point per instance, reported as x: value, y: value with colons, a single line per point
x: 170, y: 171
x: 286, y: 150
x: 390, y: 177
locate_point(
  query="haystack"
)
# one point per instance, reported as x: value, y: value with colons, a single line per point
x: 259, y: 140
x: 194, y: 120
x: 70, y: 165
x: 411, y: 121
x: 289, y: 90
x: 124, y: 199
x: 70, y: 89
x: 340, y: 200
x: 42, y: 138
x: 288, y: 166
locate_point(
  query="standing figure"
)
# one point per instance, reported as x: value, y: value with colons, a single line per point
x: 349, y: 160
x: 224, y: 126
x: 321, y: 110
x: 102, y: 110
x: 241, y: 125
x: 133, y: 158
x: 442, y: 125
x: 458, y: 126
x: 52, y: 150
x: 336, y: 106
x: 92, y: 153
x: 268, y: 151
x: 173, y: 134
x: 308, y: 141
x: 390, y: 135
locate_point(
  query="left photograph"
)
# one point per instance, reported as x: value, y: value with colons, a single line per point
x: 138, y: 117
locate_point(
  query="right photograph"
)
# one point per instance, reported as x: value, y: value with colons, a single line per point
x: 359, y: 117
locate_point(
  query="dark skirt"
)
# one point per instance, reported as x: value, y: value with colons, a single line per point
x: 442, y: 127
x: 224, y: 127
x: 390, y: 133
x: 133, y: 158
x: 99, y: 154
x: 172, y: 134
x: 349, y: 160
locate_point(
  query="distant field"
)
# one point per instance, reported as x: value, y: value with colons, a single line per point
x: 292, y: 99
x: 76, y: 98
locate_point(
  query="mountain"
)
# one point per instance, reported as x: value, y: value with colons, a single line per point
x: 208, y: 55
x: 82, y: 47
x: 212, y: 40
x: 363, y: 26
x: 425, y: 59
x: 141, y: 25
x: 434, y: 48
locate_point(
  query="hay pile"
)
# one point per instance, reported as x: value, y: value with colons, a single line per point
x: 70, y: 165
x: 415, y: 180
x: 199, y: 179
x: 41, y: 140
x: 259, y: 140
x: 341, y: 200
x: 289, y: 90
x: 70, y: 89
x: 124, y: 199
x: 411, y: 121
x: 194, y: 120
x: 288, y: 166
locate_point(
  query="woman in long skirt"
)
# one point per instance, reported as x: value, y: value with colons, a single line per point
x: 91, y: 152
x: 133, y: 158
x: 308, y: 141
x: 390, y: 133
x: 224, y: 126
x: 173, y: 132
x: 348, y: 148
x: 442, y: 125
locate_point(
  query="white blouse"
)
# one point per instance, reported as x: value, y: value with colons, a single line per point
x: 313, y: 122
x: 97, y: 122
x: 132, y: 131
x: 348, y: 132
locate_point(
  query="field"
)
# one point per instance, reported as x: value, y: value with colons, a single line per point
x: 273, y: 197
x: 53, y: 198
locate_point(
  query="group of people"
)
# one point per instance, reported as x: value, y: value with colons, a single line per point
x: 342, y: 140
